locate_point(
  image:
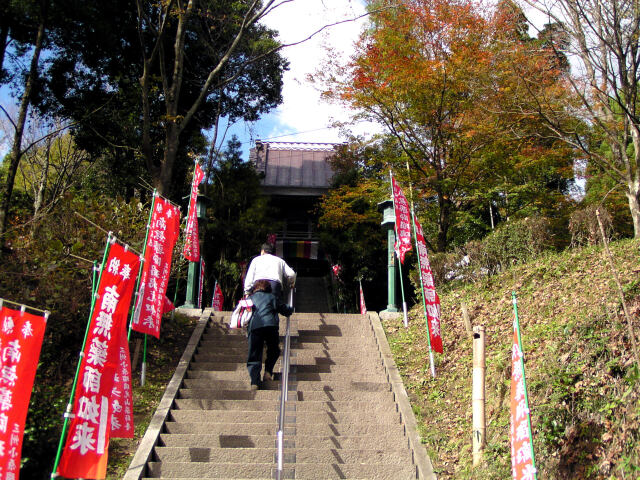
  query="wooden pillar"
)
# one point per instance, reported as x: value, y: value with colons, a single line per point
x: 479, y: 366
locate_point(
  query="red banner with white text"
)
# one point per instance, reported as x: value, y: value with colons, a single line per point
x: 87, y: 443
x: 218, y: 299
x: 163, y: 234
x: 522, y: 462
x: 21, y: 337
x: 363, y: 307
x: 122, y: 394
x: 431, y: 299
x: 403, y: 221
x: 191, y: 249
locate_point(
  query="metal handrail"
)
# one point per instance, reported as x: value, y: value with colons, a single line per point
x: 286, y: 360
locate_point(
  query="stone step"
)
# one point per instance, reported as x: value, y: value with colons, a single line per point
x: 290, y: 455
x: 298, y: 356
x: 228, y: 429
x: 211, y: 470
x: 372, y: 403
x: 312, y: 471
x: 274, y: 395
x: 202, y: 379
x: 224, y: 416
x: 214, y: 393
x: 301, y: 416
x: 296, y: 368
x: 197, y: 380
x: 239, y: 354
x: 218, y: 440
x: 270, y: 429
x: 240, y: 374
x: 355, y: 442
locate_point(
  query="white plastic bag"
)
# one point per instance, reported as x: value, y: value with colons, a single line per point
x: 242, y: 314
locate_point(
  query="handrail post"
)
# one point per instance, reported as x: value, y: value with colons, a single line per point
x: 285, y: 390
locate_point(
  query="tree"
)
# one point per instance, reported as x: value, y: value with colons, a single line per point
x: 433, y: 73
x: 30, y: 79
x: 600, y: 38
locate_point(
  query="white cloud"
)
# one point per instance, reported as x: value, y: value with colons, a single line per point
x: 302, y: 109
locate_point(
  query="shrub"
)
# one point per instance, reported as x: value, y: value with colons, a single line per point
x: 511, y: 243
x: 584, y: 228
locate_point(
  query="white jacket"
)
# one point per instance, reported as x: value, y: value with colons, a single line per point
x: 269, y: 267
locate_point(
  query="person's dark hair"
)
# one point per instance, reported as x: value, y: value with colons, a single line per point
x: 261, y: 286
x: 267, y: 248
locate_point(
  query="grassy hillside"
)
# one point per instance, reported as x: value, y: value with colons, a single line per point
x: 584, y: 386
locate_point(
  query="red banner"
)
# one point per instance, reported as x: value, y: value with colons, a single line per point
x: 167, y: 305
x: 21, y: 336
x: 336, y: 269
x: 122, y: 395
x: 522, y: 462
x: 363, y: 307
x: 218, y: 299
x: 201, y: 287
x: 192, y: 243
x: 163, y: 234
x: 431, y: 299
x: 87, y: 443
x: 403, y: 221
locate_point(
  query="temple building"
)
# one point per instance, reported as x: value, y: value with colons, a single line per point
x: 295, y: 176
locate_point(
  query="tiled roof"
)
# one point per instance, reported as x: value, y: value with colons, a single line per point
x: 288, y: 165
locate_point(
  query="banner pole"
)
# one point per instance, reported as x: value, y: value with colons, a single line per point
x: 524, y: 381
x: 94, y: 285
x: 144, y: 251
x: 67, y: 413
x: 143, y: 369
x: 424, y: 303
x: 175, y: 294
x: 404, y: 303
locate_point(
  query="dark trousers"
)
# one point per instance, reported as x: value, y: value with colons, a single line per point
x: 257, y: 339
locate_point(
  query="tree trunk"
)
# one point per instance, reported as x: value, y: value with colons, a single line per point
x: 38, y: 198
x: 172, y: 139
x: 16, y: 153
x: 4, y: 35
x: 633, y: 195
x: 444, y: 222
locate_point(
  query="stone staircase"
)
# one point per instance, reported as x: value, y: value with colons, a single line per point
x: 347, y: 414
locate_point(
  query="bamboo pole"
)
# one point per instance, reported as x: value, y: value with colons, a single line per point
x: 478, y: 400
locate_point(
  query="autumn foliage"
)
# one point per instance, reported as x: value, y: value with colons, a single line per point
x: 451, y: 81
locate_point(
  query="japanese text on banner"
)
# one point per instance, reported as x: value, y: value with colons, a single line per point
x: 431, y: 300
x: 403, y: 221
x: 163, y: 234
x: 87, y: 443
x: 191, y: 249
x: 522, y: 463
x: 21, y: 337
